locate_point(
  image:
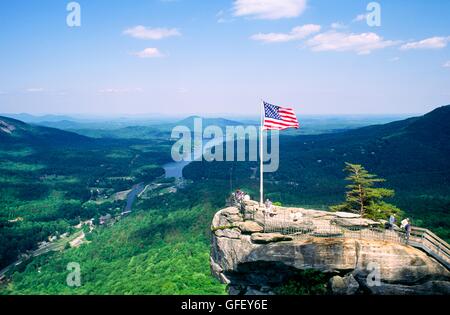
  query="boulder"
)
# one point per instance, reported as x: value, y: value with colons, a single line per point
x: 226, y: 218
x: 265, y: 238
x: 347, y: 215
x: 343, y: 285
x: 354, y: 222
x: 228, y: 252
x: 249, y: 227
x: 229, y: 233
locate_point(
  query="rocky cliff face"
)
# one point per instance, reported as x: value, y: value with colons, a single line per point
x: 253, y: 262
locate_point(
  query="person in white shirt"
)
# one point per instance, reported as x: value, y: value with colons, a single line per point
x: 268, y: 205
x: 391, y: 222
x: 296, y: 216
x: 407, y: 226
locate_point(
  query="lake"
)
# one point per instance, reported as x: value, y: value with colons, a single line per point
x: 175, y: 169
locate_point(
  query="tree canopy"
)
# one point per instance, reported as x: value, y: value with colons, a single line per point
x: 363, y: 197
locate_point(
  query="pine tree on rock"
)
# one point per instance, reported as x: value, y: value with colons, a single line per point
x: 363, y: 197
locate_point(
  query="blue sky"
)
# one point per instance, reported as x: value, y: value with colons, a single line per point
x: 223, y: 56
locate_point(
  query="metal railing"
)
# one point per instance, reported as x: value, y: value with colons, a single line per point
x: 420, y: 238
x: 430, y: 243
x: 308, y: 228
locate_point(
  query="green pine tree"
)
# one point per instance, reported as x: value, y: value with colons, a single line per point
x: 363, y: 197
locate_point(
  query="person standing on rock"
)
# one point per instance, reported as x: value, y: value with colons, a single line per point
x: 239, y: 196
x: 268, y: 205
x: 391, y: 222
x: 407, y: 226
x: 408, y: 230
x: 236, y: 197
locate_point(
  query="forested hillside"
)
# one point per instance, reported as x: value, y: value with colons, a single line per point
x: 48, y: 176
x: 162, y: 248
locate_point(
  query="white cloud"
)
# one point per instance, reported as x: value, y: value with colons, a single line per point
x: 149, y: 53
x: 297, y: 33
x: 429, y: 43
x: 269, y: 9
x: 362, y: 44
x: 394, y: 59
x: 447, y: 64
x: 35, y: 90
x: 142, y: 32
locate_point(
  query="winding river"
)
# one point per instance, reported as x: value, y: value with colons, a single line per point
x: 131, y: 197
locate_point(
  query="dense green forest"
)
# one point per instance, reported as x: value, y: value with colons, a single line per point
x: 163, y: 249
x: 51, y: 180
x: 48, y: 175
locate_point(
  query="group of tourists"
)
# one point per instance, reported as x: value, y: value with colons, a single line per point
x: 239, y: 195
x: 404, y: 225
x: 238, y: 198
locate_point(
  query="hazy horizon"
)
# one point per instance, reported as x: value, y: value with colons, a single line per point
x: 155, y: 116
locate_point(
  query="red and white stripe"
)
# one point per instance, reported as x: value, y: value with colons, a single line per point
x: 289, y: 120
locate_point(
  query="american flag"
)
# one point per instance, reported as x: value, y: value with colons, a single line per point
x: 279, y: 118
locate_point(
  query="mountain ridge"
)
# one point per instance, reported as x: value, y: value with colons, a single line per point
x: 21, y: 132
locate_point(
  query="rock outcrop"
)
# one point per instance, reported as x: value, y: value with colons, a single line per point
x: 252, y: 262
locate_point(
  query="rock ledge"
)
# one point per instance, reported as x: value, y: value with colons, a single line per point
x: 252, y: 262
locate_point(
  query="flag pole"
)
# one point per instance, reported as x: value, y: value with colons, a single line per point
x: 261, y: 166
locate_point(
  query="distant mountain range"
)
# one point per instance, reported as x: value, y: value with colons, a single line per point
x: 220, y: 122
x: 13, y: 131
x: 429, y: 128
x: 148, y: 128
x: 83, y: 123
x: 38, y: 119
